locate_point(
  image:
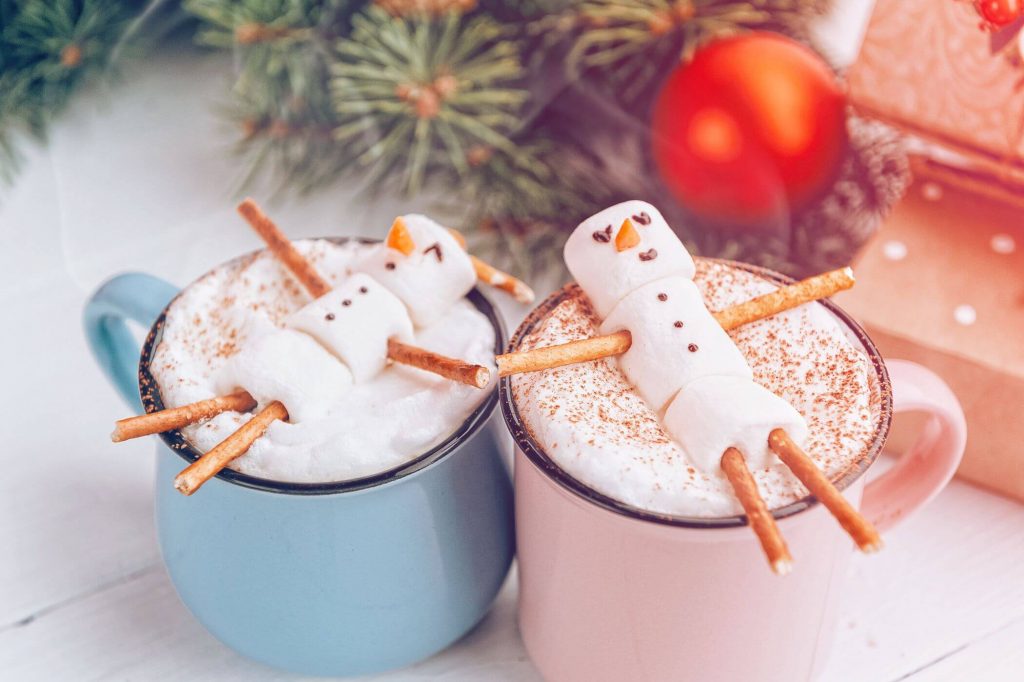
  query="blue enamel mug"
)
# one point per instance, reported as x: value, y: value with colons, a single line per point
x: 342, y: 578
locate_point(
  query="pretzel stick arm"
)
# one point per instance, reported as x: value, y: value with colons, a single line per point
x: 486, y: 272
x: 584, y: 350
x: 786, y: 297
x: 513, y: 286
x: 442, y: 365
x: 569, y: 353
x: 281, y: 247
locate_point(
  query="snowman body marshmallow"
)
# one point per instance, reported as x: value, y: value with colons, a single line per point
x: 638, y: 276
x: 675, y: 340
x: 717, y: 412
x: 290, y: 367
x: 354, y: 322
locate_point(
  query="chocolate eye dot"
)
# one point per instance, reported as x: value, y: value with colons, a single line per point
x: 329, y: 316
x: 662, y: 297
x: 389, y: 266
x: 678, y: 324
x: 346, y: 302
x: 692, y: 348
x: 363, y: 290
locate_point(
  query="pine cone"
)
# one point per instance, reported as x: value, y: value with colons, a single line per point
x: 873, y: 177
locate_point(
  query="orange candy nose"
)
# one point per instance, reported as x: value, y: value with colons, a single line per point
x: 627, y: 236
x: 399, y: 238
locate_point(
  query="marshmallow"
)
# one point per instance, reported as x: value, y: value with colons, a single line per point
x: 609, y: 259
x: 426, y: 268
x: 288, y: 366
x: 354, y: 322
x: 718, y: 412
x: 675, y: 340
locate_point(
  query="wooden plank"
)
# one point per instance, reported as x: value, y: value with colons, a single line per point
x: 75, y: 510
x: 997, y: 656
x: 947, y: 578
x: 139, y: 630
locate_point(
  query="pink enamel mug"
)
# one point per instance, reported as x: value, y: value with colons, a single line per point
x: 612, y: 592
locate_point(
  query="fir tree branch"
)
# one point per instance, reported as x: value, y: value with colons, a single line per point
x: 411, y: 93
x: 633, y: 43
x: 48, y: 48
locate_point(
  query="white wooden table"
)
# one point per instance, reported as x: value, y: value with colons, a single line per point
x: 141, y: 181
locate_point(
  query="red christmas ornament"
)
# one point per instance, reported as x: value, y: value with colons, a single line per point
x: 998, y: 13
x: 750, y: 130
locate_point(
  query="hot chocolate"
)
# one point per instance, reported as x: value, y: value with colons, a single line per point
x: 596, y: 425
x: 248, y: 324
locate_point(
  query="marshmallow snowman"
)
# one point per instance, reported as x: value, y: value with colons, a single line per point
x: 675, y: 340
x: 354, y: 322
x: 616, y: 251
x: 714, y: 413
x: 639, y: 277
x: 422, y: 264
x: 289, y: 366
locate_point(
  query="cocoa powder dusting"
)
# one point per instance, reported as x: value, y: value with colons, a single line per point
x: 795, y: 354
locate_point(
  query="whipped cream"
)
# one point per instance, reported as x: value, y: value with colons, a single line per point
x: 365, y: 429
x: 595, y: 425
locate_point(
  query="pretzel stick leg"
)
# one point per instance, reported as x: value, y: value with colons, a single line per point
x: 784, y: 298
x: 177, y: 417
x: 804, y: 468
x: 283, y: 249
x: 760, y: 519
x: 442, y: 365
x: 569, y: 353
x: 231, y: 448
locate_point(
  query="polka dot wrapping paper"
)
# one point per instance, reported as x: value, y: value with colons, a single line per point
x: 942, y: 283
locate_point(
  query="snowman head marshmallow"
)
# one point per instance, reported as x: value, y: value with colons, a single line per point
x: 422, y: 264
x: 616, y: 251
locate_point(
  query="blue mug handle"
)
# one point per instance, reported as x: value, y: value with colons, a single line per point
x: 131, y: 296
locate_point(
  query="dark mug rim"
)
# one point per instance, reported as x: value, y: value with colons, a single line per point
x: 536, y: 455
x: 152, y: 401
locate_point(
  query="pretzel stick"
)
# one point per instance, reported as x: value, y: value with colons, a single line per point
x: 597, y: 347
x: 177, y: 417
x: 461, y: 371
x: 277, y: 241
x: 498, y: 279
x: 281, y: 247
x: 231, y: 448
x: 784, y: 298
x: 758, y: 516
x: 517, y: 288
x: 459, y: 237
x: 569, y: 353
x: 804, y: 468
x: 449, y: 368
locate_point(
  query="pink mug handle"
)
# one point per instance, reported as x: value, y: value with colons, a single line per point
x: 924, y: 469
